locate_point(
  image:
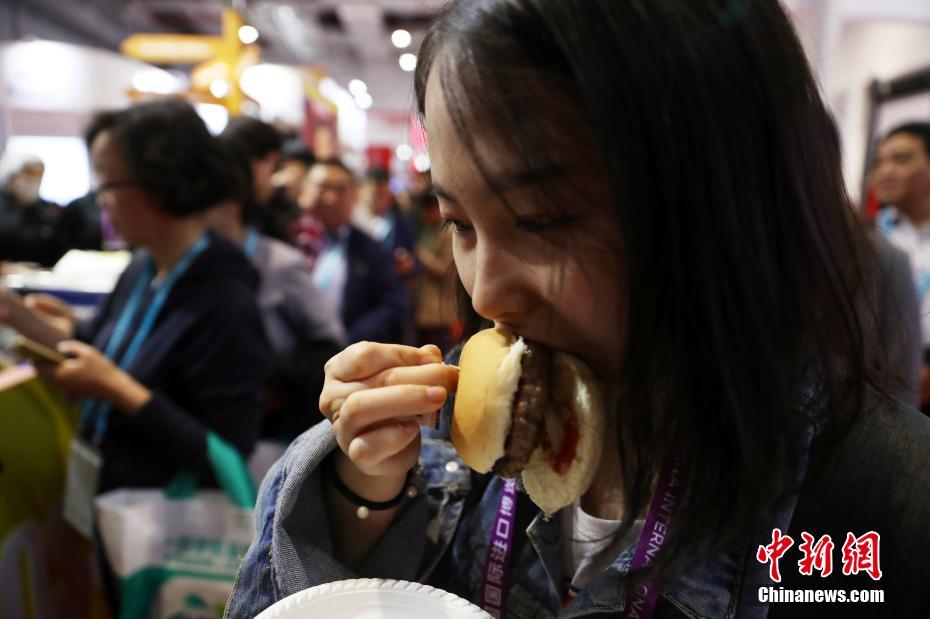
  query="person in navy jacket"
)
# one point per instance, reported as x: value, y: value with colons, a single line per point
x: 176, y: 355
x: 352, y: 271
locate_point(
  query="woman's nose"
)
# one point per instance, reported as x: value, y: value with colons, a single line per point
x: 501, y: 290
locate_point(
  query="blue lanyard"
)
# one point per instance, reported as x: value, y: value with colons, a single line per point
x: 145, y: 327
x: 250, y: 246
x: 388, y: 241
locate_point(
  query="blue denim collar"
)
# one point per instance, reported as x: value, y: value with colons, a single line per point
x: 545, y: 536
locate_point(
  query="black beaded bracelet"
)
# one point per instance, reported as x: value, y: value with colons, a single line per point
x: 364, y: 505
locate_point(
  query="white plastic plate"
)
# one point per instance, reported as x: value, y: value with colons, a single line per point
x: 373, y: 598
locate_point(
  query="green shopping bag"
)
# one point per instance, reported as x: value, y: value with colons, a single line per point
x: 176, y: 551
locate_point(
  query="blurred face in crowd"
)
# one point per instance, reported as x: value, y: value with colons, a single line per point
x: 134, y: 212
x: 24, y: 185
x: 902, y: 174
x: 376, y: 196
x: 291, y: 177
x: 329, y: 192
x: 262, y: 171
x: 544, y: 269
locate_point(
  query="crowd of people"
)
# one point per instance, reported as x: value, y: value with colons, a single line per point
x: 336, y: 257
x: 36, y: 230
x: 222, y: 322
x: 689, y: 239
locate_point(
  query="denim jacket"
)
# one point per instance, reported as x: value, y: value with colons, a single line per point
x: 439, y: 537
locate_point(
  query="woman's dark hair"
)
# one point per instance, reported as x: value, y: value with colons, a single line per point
x: 295, y: 149
x: 424, y: 200
x: 335, y: 162
x: 745, y: 268
x: 170, y: 152
x: 240, y: 179
x: 256, y: 138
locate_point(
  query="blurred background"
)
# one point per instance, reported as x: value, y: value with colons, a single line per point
x: 337, y: 72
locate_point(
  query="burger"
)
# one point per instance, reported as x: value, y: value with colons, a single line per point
x: 524, y: 409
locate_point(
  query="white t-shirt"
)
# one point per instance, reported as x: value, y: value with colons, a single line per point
x: 331, y: 271
x: 589, y: 545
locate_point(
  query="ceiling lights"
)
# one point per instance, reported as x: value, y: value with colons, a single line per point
x: 401, y: 39
x: 408, y: 62
x: 248, y: 34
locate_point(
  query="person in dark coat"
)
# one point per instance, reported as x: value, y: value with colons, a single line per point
x: 262, y: 144
x: 379, y: 215
x: 352, y: 271
x: 80, y: 225
x: 177, y: 351
x: 303, y: 332
x: 27, y: 222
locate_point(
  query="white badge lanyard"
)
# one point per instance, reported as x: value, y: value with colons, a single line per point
x: 885, y: 221
x: 325, y: 271
x: 84, y: 460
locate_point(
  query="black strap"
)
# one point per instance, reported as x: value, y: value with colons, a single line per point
x: 329, y: 471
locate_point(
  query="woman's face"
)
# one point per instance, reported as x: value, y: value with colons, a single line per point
x: 554, y: 277
x: 134, y: 212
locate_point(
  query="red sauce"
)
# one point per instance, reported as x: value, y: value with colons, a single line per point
x: 561, y: 460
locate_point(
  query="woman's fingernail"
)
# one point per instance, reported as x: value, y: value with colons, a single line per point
x: 432, y: 350
x: 436, y: 394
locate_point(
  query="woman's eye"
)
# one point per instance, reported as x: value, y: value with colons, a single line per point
x: 457, y: 226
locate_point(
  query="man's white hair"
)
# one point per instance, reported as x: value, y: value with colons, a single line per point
x: 13, y: 162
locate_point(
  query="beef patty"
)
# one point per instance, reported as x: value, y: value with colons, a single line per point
x: 530, y: 399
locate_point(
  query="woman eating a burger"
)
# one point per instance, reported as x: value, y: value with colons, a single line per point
x: 681, y: 376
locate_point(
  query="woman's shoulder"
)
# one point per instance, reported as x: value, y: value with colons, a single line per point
x: 282, y: 255
x: 281, y: 265
x: 889, y: 439
x: 885, y: 452
x: 221, y: 275
x: 874, y: 481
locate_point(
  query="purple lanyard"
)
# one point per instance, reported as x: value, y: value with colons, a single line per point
x: 495, y: 564
x: 642, y: 601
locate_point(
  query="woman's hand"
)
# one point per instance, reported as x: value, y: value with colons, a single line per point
x: 52, y: 310
x: 374, y: 395
x: 87, y: 373
x: 16, y: 314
